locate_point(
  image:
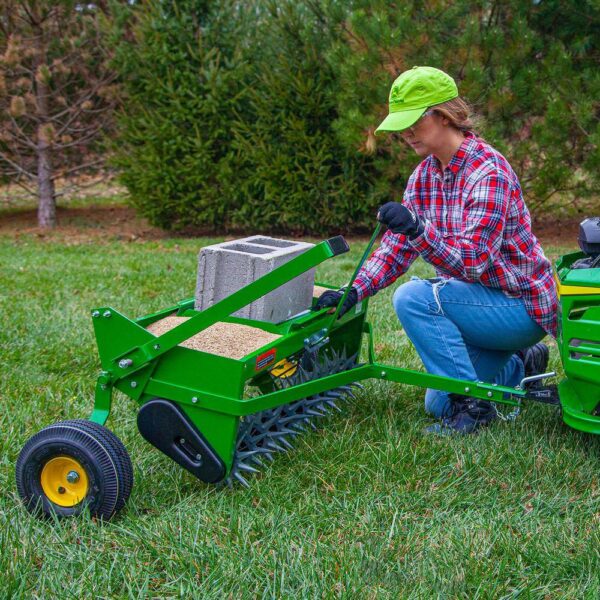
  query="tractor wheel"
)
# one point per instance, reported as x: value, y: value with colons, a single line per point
x: 72, y: 466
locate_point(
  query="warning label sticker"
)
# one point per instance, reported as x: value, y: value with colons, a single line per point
x: 265, y: 359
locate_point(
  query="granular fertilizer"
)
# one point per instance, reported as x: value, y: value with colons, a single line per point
x: 223, y: 339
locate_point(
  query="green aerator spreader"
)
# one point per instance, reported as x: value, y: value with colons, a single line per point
x: 221, y: 415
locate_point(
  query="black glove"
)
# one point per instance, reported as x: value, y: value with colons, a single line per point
x: 399, y: 219
x: 331, y: 298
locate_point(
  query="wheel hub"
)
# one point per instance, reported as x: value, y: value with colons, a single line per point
x: 64, y: 481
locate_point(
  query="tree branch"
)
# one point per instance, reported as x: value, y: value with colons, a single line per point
x: 62, y: 172
x: 82, y: 186
x: 30, y: 191
x: 80, y: 140
x: 16, y: 166
x: 20, y: 135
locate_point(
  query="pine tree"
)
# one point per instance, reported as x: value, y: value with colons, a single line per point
x: 529, y: 69
x: 183, y: 75
x: 56, y: 94
x: 261, y: 115
x: 295, y: 175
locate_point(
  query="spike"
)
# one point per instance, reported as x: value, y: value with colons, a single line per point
x: 301, y: 427
x: 286, y: 444
x: 315, y: 413
x: 292, y: 419
x: 313, y: 404
x: 252, y: 452
x: 334, y: 399
x: 237, y: 476
x: 258, y: 462
x: 245, y: 467
x: 315, y: 400
x: 345, y: 388
x: 290, y: 429
x: 334, y: 405
x: 245, y: 454
x: 287, y: 431
x: 274, y: 446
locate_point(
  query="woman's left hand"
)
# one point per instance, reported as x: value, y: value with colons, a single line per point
x: 331, y: 298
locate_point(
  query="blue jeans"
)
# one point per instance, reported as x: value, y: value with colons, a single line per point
x: 465, y: 330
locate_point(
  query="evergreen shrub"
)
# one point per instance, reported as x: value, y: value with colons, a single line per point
x: 260, y: 116
x: 183, y: 77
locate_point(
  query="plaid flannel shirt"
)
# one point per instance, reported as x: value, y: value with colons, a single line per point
x: 477, y: 228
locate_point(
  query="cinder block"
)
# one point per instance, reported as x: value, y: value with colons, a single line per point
x: 227, y: 267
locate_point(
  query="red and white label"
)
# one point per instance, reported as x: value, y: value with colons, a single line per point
x: 265, y: 359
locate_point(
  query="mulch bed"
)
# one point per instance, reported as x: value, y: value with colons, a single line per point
x: 82, y: 224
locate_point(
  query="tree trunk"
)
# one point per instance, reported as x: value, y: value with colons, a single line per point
x: 46, y: 196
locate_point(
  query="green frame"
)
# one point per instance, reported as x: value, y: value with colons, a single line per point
x: 579, y: 343
x: 211, y: 389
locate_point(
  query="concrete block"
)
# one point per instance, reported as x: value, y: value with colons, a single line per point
x: 227, y: 267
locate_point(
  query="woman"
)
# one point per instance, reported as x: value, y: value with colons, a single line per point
x: 463, y: 212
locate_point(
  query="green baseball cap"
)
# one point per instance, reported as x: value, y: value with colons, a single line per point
x: 413, y: 93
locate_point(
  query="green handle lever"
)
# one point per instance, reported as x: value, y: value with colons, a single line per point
x: 358, y: 268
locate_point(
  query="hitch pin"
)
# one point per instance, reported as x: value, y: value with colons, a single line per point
x: 531, y: 378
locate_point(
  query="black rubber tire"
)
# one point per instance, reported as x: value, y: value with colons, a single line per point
x: 98, y: 450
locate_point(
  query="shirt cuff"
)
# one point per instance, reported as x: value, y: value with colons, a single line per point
x: 362, y: 287
x: 426, y: 240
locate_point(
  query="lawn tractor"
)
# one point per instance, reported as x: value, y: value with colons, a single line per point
x: 221, y: 415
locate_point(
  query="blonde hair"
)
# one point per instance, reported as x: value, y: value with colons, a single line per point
x: 460, y: 114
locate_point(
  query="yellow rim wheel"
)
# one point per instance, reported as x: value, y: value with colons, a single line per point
x: 284, y: 368
x: 64, y: 481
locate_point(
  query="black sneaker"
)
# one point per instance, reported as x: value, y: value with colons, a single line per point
x: 467, y: 415
x: 535, y: 360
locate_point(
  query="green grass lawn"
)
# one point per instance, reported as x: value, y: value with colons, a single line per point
x: 367, y: 507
